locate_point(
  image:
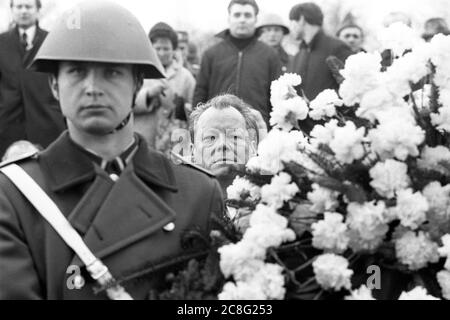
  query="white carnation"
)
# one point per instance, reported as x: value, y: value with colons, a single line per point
x: 324, y: 105
x: 323, y: 199
x: 441, y: 120
x: 416, y: 250
x: 330, y: 233
x: 438, y: 198
x: 410, y: 68
x: 396, y: 138
x: 267, y: 228
x: 411, y: 208
x: 269, y: 278
x: 398, y: 37
x: 418, y: 293
x: 363, y: 293
x: 347, y: 143
x: 331, y: 272
x: 443, y: 278
x: 362, y: 74
x: 266, y: 283
x: 241, y: 291
x: 375, y: 101
x: 283, y: 88
x: 237, y: 256
x: 389, y: 177
x: 286, y: 113
x: 278, y: 146
x: 324, y: 134
x: 279, y: 190
x: 444, y: 251
x: 242, y: 189
x: 367, y: 225
x: 431, y: 157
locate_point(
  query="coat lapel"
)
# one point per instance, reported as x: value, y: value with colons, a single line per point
x: 131, y: 212
x: 37, y: 41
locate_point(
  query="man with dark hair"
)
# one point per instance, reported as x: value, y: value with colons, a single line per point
x: 353, y: 36
x: 240, y: 64
x: 28, y: 110
x: 315, y: 48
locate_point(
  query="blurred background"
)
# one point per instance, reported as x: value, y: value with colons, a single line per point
x: 203, y: 18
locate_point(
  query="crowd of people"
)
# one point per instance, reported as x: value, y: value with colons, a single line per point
x: 248, y: 56
x: 72, y: 100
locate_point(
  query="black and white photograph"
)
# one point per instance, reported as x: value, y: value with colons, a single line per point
x: 237, y: 151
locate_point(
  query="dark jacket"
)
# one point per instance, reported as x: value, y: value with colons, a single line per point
x: 285, y: 58
x: 28, y: 110
x: 310, y: 63
x: 122, y: 222
x: 247, y: 74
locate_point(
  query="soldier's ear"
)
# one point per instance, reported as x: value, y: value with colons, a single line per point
x: 54, y: 86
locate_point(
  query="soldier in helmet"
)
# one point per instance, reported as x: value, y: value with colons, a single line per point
x: 97, y: 208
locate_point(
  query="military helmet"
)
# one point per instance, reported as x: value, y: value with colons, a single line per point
x: 98, y: 31
x: 272, y: 19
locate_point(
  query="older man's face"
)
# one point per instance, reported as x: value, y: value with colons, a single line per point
x: 25, y: 13
x: 221, y: 139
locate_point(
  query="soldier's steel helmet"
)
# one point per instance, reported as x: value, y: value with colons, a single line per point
x: 272, y: 19
x: 98, y: 31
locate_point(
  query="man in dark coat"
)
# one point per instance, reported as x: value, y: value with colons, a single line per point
x: 28, y: 110
x: 316, y: 46
x: 130, y: 205
x: 240, y: 64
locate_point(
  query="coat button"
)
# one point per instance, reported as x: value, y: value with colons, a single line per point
x: 114, y: 177
x: 170, y: 227
x: 78, y: 282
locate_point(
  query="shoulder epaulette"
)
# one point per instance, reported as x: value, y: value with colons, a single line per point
x: 192, y: 165
x: 19, y: 158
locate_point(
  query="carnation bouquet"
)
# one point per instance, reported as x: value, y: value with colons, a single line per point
x: 358, y: 208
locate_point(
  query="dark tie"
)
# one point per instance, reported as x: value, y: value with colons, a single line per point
x: 303, y: 59
x: 24, y: 40
x: 115, y: 166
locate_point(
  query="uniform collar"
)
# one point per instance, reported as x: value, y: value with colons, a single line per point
x: 68, y: 167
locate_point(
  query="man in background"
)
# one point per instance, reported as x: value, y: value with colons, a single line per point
x: 28, y: 110
x: 188, y: 53
x: 240, y: 64
x: 315, y: 48
x: 319, y: 58
x: 271, y: 31
x: 353, y: 36
x: 163, y: 105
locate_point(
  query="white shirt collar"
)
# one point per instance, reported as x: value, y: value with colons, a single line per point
x: 31, y: 33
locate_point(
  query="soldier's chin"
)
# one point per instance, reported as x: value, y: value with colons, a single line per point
x: 222, y: 165
x: 98, y: 130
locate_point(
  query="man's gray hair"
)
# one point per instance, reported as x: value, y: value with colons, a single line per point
x: 223, y: 102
